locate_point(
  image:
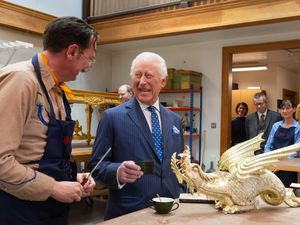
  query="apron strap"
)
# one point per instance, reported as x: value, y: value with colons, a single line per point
x: 35, y: 63
x: 67, y: 107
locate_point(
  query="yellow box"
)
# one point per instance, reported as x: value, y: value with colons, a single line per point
x: 169, y: 84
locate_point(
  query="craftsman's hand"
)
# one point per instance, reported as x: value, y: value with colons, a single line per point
x: 87, y: 182
x: 129, y: 172
x: 67, y: 191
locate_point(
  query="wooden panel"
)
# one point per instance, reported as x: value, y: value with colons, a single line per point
x: 187, y: 20
x: 243, y: 95
x: 82, y: 155
x: 225, y: 134
x: 22, y: 18
x: 197, y: 18
x: 247, y: 96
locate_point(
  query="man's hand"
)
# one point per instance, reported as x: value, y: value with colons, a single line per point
x: 129, y: 172
x: 87, y: 182
x: 67, y: 191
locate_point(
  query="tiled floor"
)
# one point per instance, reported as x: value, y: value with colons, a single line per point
x: 82, y: 213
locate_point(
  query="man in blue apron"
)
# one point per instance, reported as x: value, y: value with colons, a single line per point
x: 285, y: 133
x: 37, y: 177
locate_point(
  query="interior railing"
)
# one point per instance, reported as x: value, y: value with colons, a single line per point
x: 101, y: 9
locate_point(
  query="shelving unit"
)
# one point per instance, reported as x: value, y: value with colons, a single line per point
x: 191, y: 102
x: 195, y: 109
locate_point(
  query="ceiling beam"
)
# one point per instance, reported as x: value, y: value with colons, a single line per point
x: 223, y: 15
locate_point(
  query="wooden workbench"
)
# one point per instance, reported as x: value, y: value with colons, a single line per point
x: 206, y: 214
x: 292, y: 165
x: 82, y: 154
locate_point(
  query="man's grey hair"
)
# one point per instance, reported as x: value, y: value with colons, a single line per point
x: 157, y: 59
x: 127, y: 87
x: 262, y: 95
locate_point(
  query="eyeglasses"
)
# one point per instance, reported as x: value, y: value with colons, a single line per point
x: 91, y: 61
x: 259, y: 104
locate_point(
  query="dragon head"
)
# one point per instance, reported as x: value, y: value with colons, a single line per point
x: 184, y: 169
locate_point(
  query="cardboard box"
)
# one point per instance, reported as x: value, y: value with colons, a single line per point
x: 169, y: 85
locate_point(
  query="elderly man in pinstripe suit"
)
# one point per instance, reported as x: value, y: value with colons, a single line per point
x: 128, y: 130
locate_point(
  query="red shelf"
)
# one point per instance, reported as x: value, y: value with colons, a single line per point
x: 183, y: 109
x: 194, y: 135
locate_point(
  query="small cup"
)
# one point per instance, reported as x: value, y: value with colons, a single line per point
x: 147, y: 166
x: 164, y: 205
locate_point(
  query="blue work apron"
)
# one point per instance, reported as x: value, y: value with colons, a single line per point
x: 55, y: 162
x: 284, y: 137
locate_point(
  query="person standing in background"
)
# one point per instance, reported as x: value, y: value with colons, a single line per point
x: 138, y: 130
x: 37, y: 177
x: 125, y: 92
x: 238, y: 125
x: 285, y: 133
x: 262, y: 120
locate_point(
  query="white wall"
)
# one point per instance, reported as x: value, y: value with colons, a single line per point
x: 53, y: 7
x: 286, y: 80
x: 11, y: 55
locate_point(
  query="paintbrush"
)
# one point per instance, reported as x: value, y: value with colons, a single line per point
x: 85, y: 179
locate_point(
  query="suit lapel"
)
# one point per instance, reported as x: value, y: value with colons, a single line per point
x: 255, y: 123
x: 166, y: 124
x: 138, y: 118
x: 268, y: 119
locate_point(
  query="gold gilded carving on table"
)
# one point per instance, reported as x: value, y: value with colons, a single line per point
x: 242, y: 177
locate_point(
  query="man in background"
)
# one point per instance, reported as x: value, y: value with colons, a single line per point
x: 125, y: 92
x: 37, y: 178
x: 262, y: 120
x: 140, y: 129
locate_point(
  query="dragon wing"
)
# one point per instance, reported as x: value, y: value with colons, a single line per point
x: 238, y: 153
x: 258, y: 163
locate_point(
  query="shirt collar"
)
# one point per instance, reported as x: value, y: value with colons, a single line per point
x: 294, y: 124
x: 265, y: 113
x: 145, y: 106
x: 46, y: 75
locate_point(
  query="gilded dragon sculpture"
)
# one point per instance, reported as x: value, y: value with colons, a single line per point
x: 242, y: 176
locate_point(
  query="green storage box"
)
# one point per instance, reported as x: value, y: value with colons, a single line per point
x: 182, y: 79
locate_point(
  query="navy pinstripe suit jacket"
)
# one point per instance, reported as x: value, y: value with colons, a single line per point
x: 124, y: 128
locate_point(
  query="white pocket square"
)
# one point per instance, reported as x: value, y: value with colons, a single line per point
x: 175, y: 130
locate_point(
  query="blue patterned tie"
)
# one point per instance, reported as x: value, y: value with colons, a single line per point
x: 156, y: 133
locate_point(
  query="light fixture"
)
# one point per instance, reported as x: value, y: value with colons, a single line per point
x: 253, y: 88
x: 249, y: 68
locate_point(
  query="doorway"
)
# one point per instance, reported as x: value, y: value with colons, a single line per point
x: 227, y: 78
x: 289, y: 94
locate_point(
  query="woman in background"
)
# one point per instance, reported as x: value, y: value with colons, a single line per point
x: 238, y: 131
x: 285, y: 133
